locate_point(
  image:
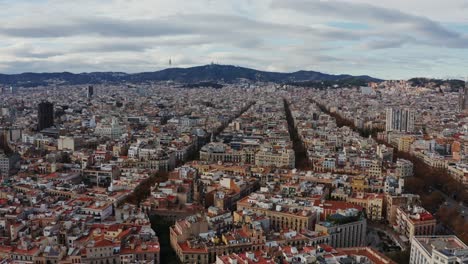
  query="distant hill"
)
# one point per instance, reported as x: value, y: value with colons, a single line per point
x: 192, y: 75
x: 454, y: 84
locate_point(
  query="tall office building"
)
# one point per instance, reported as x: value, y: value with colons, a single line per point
x: 90, y: 91
x: 400, y: 119
x: 3, y: 139
x: 463, y: 98
x: 45, y: 115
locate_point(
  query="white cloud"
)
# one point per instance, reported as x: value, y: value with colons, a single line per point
x: 141, y: 35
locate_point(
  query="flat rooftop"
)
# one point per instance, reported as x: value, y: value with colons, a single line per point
x: 447, y: 245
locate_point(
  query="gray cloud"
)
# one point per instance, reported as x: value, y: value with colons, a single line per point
x: 188, y: 31
x: 384, y: 44
x: 422, y: 26
x: 96, y: 26
x: 79, y: 64
x: 200, y: 24
x: 21, y: 50
x: 114, y: 46
x: 38, y: 55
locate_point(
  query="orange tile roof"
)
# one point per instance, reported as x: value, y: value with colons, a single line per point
x: 105, y: 243
x: 373, y: 255
x: 187, y: 249
x: 337, y: 205
x: 150, y: 248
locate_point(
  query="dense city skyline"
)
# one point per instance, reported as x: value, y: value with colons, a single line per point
x: 233, y: 132
x: 246, y: 171
x: 384, y: 39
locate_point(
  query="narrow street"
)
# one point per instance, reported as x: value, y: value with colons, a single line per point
x: 302, y: 160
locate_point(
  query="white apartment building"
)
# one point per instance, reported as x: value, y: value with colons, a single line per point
x: 400, y: 119
x: 352, y: 234
x: 438, y: 249
x: 282, y: 158
x: 404, y: 168
x: 7, y: 163
x: 459, y: 171
x: 4, y: 164
x: 112, y: 130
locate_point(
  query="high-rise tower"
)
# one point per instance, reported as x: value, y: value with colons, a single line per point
x: 45, y: 115
x: 400, y: 119
x: 463, y: 98
x: 90, y: 91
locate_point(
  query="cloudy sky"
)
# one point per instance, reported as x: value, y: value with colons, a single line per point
x: 384, y: 38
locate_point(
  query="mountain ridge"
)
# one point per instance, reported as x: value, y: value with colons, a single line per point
x: 196, y: 74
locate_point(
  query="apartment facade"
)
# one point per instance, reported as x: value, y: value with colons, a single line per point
x: 438, y: 249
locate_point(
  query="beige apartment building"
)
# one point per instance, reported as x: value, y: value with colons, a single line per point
x: 281, y: 217
x: 371, y: 202
x: 414, y: 221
